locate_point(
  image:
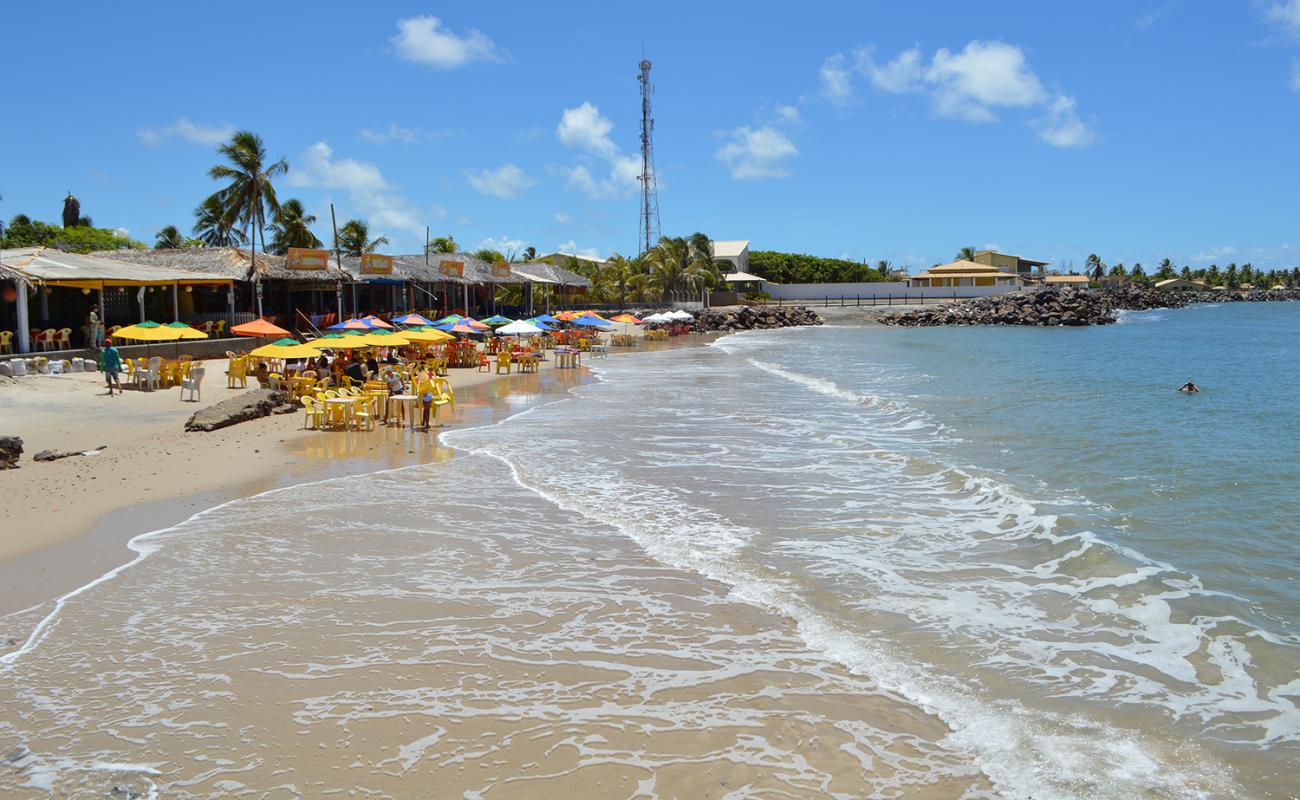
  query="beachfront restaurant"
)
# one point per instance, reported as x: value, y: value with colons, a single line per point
x: 966, y: 273
x: 47, y: 295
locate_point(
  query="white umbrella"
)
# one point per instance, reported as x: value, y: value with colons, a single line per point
x: 681, y: 315
x: 654, y: 318
x: 520, y: 328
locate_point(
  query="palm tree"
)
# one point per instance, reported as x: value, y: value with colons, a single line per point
x: 291, y: 227
x: 530, y: 253
x: 168, y: 239
x: 250, y: 192
x: 966, y: 254
x: 443, y: 244
x: 681, y: 265
x: 210, y: 226
x: 489, y: 256
x: 618, y: 274
x: 354, y: 239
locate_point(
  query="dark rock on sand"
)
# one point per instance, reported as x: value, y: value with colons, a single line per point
x: 247, y: 406
x: 55, y: 455
x: 11, y: 448
x: 748, y: 318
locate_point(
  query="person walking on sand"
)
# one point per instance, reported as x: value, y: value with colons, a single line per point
x: 424, y: 388
x: 111, y: 360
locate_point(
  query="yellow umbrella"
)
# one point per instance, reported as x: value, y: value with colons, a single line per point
x: 285, y: 351
x: 339, y: 343
x: 184, y: 331
x: 431, y: 336
x: 378, y: 339
x: 147, y: 332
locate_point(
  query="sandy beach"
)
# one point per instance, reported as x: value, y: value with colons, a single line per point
x: 152, y: 473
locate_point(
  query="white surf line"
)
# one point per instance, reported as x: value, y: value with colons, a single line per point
x: 143, y: 549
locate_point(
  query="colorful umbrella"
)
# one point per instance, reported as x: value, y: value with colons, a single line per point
x: 450, y: 319
x: 413, y: 319
x: 258, y: 327
x: 351, y: 325
x: 385, y: 339
x: 496, y: 320
x: 376, y: 322
x: 285, y: 349
x: 626, y: 319
x: 540, y: 323
x: 475, y: 324
x: 426, y: 335
x: 592, y: 322
x: 547, y: 318
x: 184, y: 331
x: 340, y: 343
x: 463, y: 329
x: 566, y: 316
x: 147, y: 332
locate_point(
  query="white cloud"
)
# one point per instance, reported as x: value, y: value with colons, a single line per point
x: 185, y: 128
x: 366, y: 186
x: 902, y: 74
x: 423, y: 40
x: 438, y: 211
x: 571, y: 247
x: 1214, y: 253
x: 836, y: 81
x: 983, y: 75
x: 973, y: 84
x: 1285, y: 15
x: 394, y: 133
x: 502, y: 244
x: 562, y: 218
x: 1062, y: 126
x: 583, y: 128
x: 122, y: 233
x: 756, y: 153
x: 505, y: 181
x: 788, y: 115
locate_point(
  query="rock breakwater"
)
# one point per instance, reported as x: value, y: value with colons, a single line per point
x: 748, y: 318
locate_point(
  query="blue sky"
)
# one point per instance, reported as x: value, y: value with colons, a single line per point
x: 868, y: 130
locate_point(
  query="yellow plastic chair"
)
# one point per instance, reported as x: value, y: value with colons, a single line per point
x: 503, y: 362
x: 362, y: 418
x: 6, y: 342
x: 312, y: 413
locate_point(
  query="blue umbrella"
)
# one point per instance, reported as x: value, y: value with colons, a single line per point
x: 413, y: 319
x: 547, y: 318
x: 592, y: 322
x: 351, y: 324
x: 540, y: 323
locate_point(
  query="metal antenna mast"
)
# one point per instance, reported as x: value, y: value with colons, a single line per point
x: 649, y: 232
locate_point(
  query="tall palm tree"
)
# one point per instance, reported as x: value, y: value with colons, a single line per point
x: 966, y: 254
x: 291, y: 227
x: 168, y: 239
x: 681, y: 265
x: 443, y: 244
x: 530, y: 253
x: 354, y: 239
x: 618, y: 273
x: 249, y: 193
x: 210, y: 226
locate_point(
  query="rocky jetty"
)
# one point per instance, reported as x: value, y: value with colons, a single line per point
x: 1045, y: 308
x: 247, y: 406
x: 747, y: 318
x: 11, y: 449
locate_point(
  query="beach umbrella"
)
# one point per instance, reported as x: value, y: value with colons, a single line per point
x: 592, y: 322
x: 566, y: 316
x: 285, y: 349
x: 463, y: 329
x: 386, y: 339
x: 413, y: 319
x: 184, y: 331
x: 339, y: 343
x: 353, y: 324
x: 376, y: 322
x: 259, y: 328
x: 681, y: 316
x: 496, y: 320
x: 592, y: 314
x: 427, y: 335
x: 475, y: 324
x: 147, y: 332
x: 626, y: 318
x: 520, y: 328
x: 450, y: 319
x: 540, y: 323
x: 547, y: 318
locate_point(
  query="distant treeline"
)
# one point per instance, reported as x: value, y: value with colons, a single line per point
x: 83, y: 237
x: 799, y: 268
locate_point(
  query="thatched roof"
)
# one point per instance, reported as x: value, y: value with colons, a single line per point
x: 414, y: 268
x: 233, y: 262
x: 55, y: 267
x: 546, y: 272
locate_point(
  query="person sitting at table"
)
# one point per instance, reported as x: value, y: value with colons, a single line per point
x: 372, y: 367
x: 261, y: 373
x: 355, y: 372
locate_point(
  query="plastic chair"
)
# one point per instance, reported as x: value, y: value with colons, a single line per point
x: 64, y: 341
x: 312, y: 413
x: 362, y: 418
x: 221, y: 328
x: 6, y: 342
x: 503, y: 363
x: 192, y: 383
x: 237, y: 373
x: 152, y: 376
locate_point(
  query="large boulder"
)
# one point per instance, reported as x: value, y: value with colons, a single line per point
x: 11, y: 448
x: 249, y: 405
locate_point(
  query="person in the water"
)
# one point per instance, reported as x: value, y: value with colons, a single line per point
x: 1189, y: 387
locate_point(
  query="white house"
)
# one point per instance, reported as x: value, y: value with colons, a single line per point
x: 734, y: 250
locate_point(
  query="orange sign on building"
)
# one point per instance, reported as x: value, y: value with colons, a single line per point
x: 376, y: 264
x: 501, y: 270
x: 302, y: 258
x: 453, y: 269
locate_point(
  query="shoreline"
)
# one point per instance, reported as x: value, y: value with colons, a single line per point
x: 161, y: 475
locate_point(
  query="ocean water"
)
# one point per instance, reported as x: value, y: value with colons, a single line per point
x: 842, y: 562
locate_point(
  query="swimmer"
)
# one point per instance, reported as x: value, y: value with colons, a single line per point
x: 1189, y: 388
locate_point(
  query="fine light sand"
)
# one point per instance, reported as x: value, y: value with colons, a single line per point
x: 151, y: 473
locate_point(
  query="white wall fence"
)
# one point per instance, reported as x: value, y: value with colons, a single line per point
x: 882, y: 293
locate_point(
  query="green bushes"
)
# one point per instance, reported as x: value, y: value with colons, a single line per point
x: 799, y: 268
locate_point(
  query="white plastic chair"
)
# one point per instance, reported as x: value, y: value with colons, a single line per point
x: 153, y: 379
x: 192, y: 384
